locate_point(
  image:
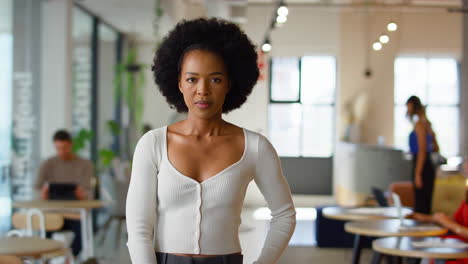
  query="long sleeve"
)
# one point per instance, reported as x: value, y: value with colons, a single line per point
x: 142, y: 202
x: 274, y: 187
x: 41, y: 176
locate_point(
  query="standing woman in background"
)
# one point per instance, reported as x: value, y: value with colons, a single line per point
x: 422, y: 142
x: 189, y: 179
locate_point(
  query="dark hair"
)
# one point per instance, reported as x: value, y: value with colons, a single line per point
x: 215, y: 35
x: 62, y: 135
x: 418, y: 107
x: 146, y: 128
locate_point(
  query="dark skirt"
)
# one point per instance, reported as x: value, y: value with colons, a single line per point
x: 166, y: 258
x: 423, y: 196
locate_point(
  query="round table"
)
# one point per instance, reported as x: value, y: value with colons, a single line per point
x: 82, y: 206
x: 392, y: 227
x: 402, y: 247
x: 363, y: 213
x: 56, y: 204
x: 28, y: 246
x: 389, y: 227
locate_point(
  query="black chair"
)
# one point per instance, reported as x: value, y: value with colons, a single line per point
x: 380, y: 197
x: 330, y: 233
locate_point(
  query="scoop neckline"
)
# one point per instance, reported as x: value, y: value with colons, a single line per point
x: 166, y: 156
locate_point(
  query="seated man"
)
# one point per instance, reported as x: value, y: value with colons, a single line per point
x: 66, y: 167
x: 457, y: 224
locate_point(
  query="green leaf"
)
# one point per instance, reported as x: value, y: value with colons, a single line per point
x: 131, y: 56
x: 159, y: 12
x: 113, y: 127
x: 106, y: 156
x: 81, y: 139
x: 119, y: 75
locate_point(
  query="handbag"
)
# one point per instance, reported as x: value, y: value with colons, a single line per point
x: 438, y: 159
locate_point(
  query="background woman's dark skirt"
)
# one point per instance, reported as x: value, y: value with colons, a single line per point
x: 423, y: 196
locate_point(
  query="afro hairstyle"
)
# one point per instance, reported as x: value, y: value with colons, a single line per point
x: 221, y: 37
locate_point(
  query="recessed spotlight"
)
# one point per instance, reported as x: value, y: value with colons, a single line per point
x: 392, y: 26
x: 384, y: 39
x: 377, y: 46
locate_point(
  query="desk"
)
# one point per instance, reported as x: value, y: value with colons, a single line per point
x: 83, y: 207
x: 389, y: 227
x: 34, y: 247
x: 402, y: 247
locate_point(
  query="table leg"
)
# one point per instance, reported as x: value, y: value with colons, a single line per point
x: 392, y: 259
x: 84, y: 234
x: 357, y: 247
x: 90, y: 234
x: 376, y: 258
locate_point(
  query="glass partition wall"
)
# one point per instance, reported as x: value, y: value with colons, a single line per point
x: 6, y: 89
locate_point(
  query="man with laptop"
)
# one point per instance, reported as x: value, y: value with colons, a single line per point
x: 66, y: 176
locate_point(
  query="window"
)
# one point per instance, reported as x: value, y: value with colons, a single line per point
x: 82, y: 57
x: 107, y: 96
x: 6, y: 97
x: 302, y: 101
x: 6, y: 72
x: 435, y: 82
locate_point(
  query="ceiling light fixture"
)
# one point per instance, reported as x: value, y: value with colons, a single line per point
x: 281, y: 19
x: 392, y: 26
x: 266, y: 47
x: 377, y: 46
x: 282, y: 10
x: 384, y: 39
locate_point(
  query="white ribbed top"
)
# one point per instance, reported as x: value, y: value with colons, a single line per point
x: 203, y: 218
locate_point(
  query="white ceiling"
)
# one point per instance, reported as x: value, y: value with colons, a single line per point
x: 137, y: 16
x: 134, y: 16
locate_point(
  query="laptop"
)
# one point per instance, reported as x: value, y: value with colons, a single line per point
x: 62, y: 191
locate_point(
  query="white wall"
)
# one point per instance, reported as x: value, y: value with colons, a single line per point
x: 286, y: 43
x: 419, y: 33
x: 156, y: 112
x: 106, y: 88
x: 6, y: 8
x: 56, y: 83
x: 342, y: 34
x: 292, y: 39
x: 348, y: 35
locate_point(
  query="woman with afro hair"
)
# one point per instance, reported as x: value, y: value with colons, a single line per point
x: 189, y: 179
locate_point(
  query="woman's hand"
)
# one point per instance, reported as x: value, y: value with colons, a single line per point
x: 418, y: 180
x: 420, y: 217
x: 45, y: 192
x: 80, y: 193
x: 442, y: 219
